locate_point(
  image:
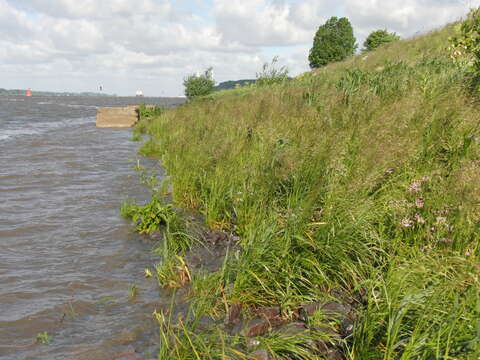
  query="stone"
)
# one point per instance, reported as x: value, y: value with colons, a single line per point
x: 252, y: 343
x: 130, y: 357
x: 291, y: 329
x: 128, y: 354
x: 215, y: 238
x: 347, y: 327
x: 310, y: 309
x: 261, y: 355
x: 269, y: 312
x: 257, y: 327
x: 117, y: 117
x: 236, y: 329
x: 333, y: 354
x: 335, y: 310
x: 327, y: 330
x: 204, y: 323
x: 261, y: 326
x: 234, y: 313
x: 156, y: 235
x: 328, y: 351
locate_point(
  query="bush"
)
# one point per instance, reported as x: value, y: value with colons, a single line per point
x: 271, y: 75
x: 147, y: 111
x: 378, y: 38
x: 199, y: 85
x: 334, y: 41
x: 465, y: 48
x: 149, y: 217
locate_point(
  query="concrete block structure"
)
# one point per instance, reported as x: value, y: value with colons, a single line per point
x: 117, y: 117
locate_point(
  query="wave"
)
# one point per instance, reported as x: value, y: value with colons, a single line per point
x: 32, y: 128
x: 79, y: 106
x: 67, y: 105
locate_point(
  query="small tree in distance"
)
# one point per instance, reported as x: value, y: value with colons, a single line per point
x: 199, y: 85
x: 378, y: 38
x: 334, y: 41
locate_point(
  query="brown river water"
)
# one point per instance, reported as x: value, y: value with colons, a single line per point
x: 67, y: 258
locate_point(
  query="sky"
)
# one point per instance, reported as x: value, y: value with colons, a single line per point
x: 152, y: 45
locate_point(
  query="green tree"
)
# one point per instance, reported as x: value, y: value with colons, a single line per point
x: 334, y: 41
x: 199, y: 85
x: 378, y: 38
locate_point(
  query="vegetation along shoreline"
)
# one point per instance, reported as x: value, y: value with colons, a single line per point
x: 334, y: 215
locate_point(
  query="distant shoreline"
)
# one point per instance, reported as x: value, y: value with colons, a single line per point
x: 41, y: 93
x: 50, y: 93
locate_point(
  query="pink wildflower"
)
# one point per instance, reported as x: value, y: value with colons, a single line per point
x: 419, y: 203
x: 407, y: 222
x: 419, y: 219
x: 442, y: 220
x: 416, y: 186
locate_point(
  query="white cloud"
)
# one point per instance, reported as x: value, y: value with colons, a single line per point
x: 96, y: 9
x: 407, y: 18
x: 153, y: 44
x: 268, y: 23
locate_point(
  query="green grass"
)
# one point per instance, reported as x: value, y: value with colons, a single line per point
x: 44, y: 338
x: 363, y: 175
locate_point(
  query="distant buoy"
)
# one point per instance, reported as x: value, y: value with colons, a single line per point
x: 28, y: 92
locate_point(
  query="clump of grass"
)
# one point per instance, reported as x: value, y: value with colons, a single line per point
x: 183, y: 341
x: 44, y: 338
x: 136, y: 137
x: 145, y: 113
x: 363, y: 176
x: 271, y: 74
x: 173, y: 272
x: 133, y: 292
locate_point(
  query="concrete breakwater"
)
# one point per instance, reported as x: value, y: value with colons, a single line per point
x: 117, y: 117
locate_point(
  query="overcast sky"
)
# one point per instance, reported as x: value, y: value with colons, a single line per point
x: 125, y: 45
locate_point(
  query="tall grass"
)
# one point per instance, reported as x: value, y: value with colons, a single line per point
x: 363, y: 176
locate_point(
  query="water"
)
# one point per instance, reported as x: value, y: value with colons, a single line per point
x: 67, y: 258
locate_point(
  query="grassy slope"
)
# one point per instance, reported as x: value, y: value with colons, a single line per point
x: 364, y: 175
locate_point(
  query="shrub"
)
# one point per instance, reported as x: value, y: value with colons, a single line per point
x: 465, y: 47
x: 147, y: 112
x: 378, y: 38
x: 467, y: 43
x: 270, y: 74
x: 334, y: 41
x: 149, y: 217
x: 199, y: 85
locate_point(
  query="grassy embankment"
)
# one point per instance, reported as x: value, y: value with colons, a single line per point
x: 361, y: 176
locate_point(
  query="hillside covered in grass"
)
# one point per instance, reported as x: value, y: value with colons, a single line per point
x: 360, y: 179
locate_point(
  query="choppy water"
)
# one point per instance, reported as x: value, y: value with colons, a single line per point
x: 67, y: 258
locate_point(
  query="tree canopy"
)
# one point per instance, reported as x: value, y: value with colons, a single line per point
x: 199, y: 85
x: 378, y: 38
x: 334, y: 41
